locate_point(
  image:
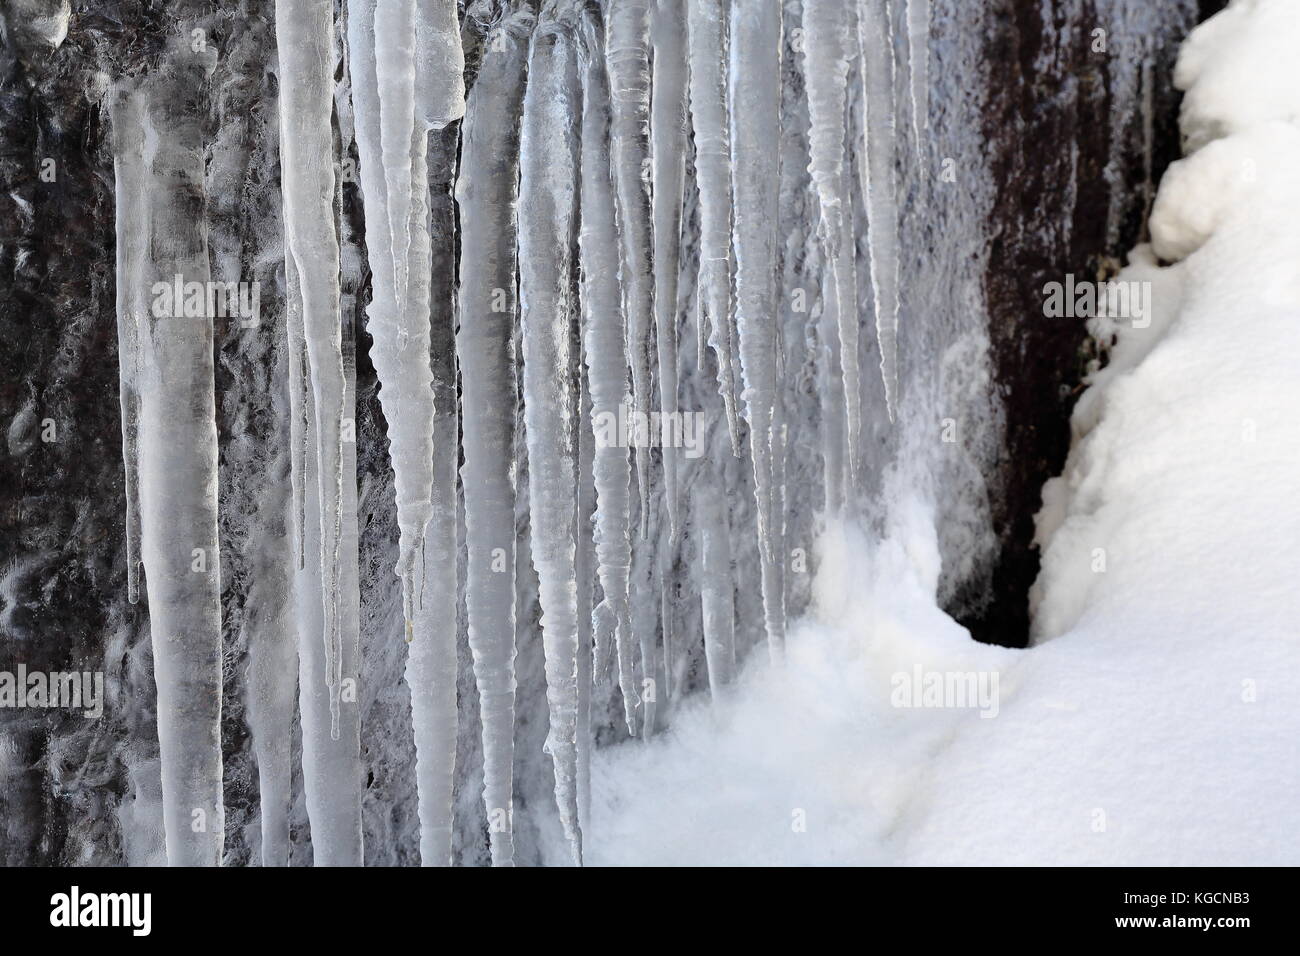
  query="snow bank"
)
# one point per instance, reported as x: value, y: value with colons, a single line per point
x: 1155, y: 721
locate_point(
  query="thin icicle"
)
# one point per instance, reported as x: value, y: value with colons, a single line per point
x: 305, y: 39
x: 586, y: 572
x: 755, y: 126
x: 607, y: 377
x: 707, y: 22
x: 877, y: 170
x: 828, y: 36
x: 394, y: 183
x: 394, y: 59
x: 132, y: 255
x: 918, y: 57
x: 298, y: 385
x: 547, y: 224
x: 668, y: 138
x: 331, y: 759
x: 717, y: 590
x: 486, y: 193
x: 627, y: 56
x: 830, y: 390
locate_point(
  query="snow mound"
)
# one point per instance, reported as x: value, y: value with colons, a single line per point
x: 1239, y: 69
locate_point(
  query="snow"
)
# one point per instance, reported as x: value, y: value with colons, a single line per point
x: 1154, y: 720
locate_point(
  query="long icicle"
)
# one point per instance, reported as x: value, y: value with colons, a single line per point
x: 159, y: 150
x: 394, y: 181
x: 668, y: 141
x: 607, y: 377
x: 305, y: 40
x: 627, y: 56
x: 755, y: 125
x: 486, y: 191
x: 547, y: 229
x: 828, y: 36
x: 707, y: 23
x: 877, y: 171
x: 431, y: 660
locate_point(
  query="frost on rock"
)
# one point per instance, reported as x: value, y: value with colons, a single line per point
x: 547, y: 229
x: 627, y: 57
x: 878, y: 178
x: 755, y: 125
x: 486, y: 192
x: 709, y: 65
x: 168, y: 365
x: 604, y: 345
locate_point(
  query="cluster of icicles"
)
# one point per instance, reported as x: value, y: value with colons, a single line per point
x: 573, y: 151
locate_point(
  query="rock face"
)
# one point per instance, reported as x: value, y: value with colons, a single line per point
x: 1073, y: 136
x: 1081, y: 121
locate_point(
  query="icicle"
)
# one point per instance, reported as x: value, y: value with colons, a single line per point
x: 331, y: 761
x: 668, y: 137
x: 440, y: 64
x: 431, y: 662
x: 548, y: 172
x: 299, y: 382
x: 877, y: 170
x: 159, y: 153
x: 486, y: 194
x: 717, y: 591
x: 627, y: 55
x: 918, y: 47
x: 755, y: 127
x: 830, y: 390
x: 132, y: 259
x: 708, y: 100
x: 394, y: 60
x: 607, y: 377
x: 394, y: 182
x: 586, y: 573
x: 828, y: 39
x: 305, y: 38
